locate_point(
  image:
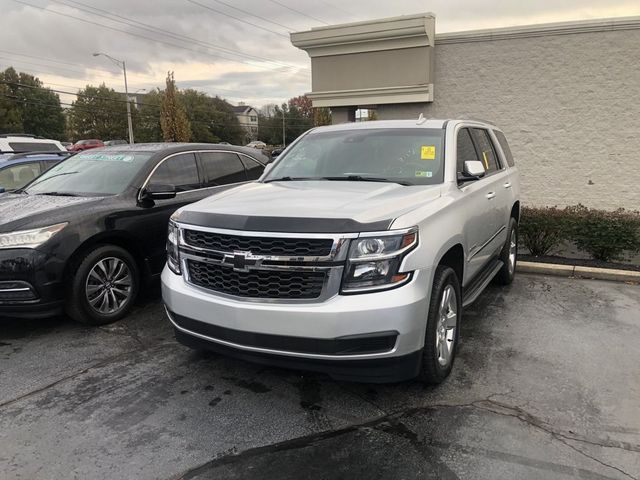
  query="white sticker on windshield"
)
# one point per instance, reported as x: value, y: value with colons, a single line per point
x: 105, y: 157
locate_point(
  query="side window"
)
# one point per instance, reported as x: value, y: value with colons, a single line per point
x: 253, y: 168
x: 19, y: 175
x: 502, y: 140
x: 221, y: 168
x: 466, y: 152
x: 485, y: 148
x: 180, y: 171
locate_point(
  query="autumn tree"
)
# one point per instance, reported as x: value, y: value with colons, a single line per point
x: 173, y: 118
x: 321, y: 116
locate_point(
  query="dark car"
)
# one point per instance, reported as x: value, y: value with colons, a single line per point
x: 82, y: 145
x: 86, y: 235
x: 19, y: 169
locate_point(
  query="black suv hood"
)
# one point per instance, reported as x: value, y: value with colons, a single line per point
x: 20, y: 211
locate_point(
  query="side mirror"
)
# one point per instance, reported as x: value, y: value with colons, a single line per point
x: 474, y: 169
x: 157, y: 191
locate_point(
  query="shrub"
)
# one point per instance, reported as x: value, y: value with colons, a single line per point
x: 604, y: 235
x: 542, y: 229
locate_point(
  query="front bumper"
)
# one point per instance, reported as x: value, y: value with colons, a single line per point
x: 402, y: 311
x: 30, y: 285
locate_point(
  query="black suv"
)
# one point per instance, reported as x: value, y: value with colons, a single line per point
x: 88, y: 233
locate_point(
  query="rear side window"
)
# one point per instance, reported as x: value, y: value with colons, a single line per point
x: 180, y: 171
x: 485, y: 149
x: 254, y: 169
x: 466, y: 152
x: 502, y: 140
x: 221, y: 168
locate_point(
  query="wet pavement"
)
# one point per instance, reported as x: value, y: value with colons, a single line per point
x: 546, y: 385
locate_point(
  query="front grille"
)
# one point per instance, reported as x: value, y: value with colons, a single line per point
x: 256, y: 283
x: 289, y: 247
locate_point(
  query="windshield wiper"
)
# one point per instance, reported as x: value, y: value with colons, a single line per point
x: 290, y: 179
x: 52, y: 176
x: 361, y: 178
x: 60, y: 194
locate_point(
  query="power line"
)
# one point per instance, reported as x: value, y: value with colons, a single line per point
x: 65, y: 15
x: 252, y: 14
x: 335, y: 7
x: 297, y: 11
x: 241, y: 20
x: 152, y: 29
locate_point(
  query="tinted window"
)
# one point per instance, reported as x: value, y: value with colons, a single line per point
x: 485, y: 147
x: 253, y: 168
x: 180, y: 171
x: 33, y: 147
x: 466, y: 151
x: 92, y: 173
x: 17, y: 176
x: 411, y: 155
x: 505, y: 147
x: 221, y: 168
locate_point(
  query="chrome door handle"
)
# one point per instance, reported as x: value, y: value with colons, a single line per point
x: 507, y: 185
x: 491, y: 195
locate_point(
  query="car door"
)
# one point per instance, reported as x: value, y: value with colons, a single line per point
x: 478, y: 218
x: 181, y: 171
x: 498, y: 196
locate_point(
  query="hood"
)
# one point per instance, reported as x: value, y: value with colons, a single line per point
x: 18, y: 211
x: 354, y: 203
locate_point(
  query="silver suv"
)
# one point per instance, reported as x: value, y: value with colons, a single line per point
x: 354, y: 254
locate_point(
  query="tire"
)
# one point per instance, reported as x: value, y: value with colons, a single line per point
x: 104, y: 286
x: 509, y: 256
x: 443, y: 327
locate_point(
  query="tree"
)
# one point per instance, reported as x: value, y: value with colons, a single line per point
x: 173, y: 118
x: 27, y: 107
x: 212, y: 119
x: 297, y: 120
x: 303, y: 105
x: 321, y: 116
x: 99, y: 112
x: 147, y: 127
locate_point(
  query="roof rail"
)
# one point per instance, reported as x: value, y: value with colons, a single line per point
x: 59, y: 153
x: 24, y: 135
x: 476, y: 119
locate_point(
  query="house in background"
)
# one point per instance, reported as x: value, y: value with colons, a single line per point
x: 248, y: 118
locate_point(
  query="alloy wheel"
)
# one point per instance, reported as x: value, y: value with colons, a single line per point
x: 108, y: 286
x: 446, y: 326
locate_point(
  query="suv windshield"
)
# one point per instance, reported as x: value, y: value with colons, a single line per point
x: 89, y: 173
x: 409, y: 156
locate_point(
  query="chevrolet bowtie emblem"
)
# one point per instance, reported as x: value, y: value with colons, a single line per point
x: 242, y: 261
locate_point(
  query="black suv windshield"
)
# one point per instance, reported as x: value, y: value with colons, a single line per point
x: 90, y: 173
x: 412, y: 156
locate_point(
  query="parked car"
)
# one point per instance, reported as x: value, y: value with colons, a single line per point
x: 87, y: 234
x: 82, y: 145
x: 12, y: 143
x: 257, y: 144
x: 19, y: 169
x: 111, y: 143
x: 275, y: 153
x: 354, y: 254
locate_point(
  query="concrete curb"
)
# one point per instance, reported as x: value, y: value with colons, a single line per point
x: 579, y: 272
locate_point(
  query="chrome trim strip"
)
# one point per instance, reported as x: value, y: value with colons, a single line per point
x: 255, y: 233
x: 487, y: 242
x: 25, y: 289
x: 279, y: 352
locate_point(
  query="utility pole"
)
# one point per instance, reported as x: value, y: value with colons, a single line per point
x: 122, y: 65
x: 284, y: 137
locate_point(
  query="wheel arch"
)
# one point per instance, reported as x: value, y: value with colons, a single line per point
x: 515, y: 211
x: 454, y: 258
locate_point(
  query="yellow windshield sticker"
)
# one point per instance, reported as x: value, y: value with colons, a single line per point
x: 428, y: 152
x: 486, y: 162
x: 424, y: 173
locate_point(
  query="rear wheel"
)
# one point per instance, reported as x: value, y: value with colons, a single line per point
x: 508, y: 255
x: 104, y: 286
x: 443, y: 322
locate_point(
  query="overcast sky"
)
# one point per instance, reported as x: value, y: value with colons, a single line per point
x: 249, y: 58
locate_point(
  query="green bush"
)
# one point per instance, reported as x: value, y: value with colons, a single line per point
x: 604, y: 235
x: 542, y: 229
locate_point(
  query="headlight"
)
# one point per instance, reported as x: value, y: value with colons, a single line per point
x: 29, y: 238
x: 374, y: 261
x: 173, y: 254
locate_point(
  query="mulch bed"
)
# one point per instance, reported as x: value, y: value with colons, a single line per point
x: 578, y: 262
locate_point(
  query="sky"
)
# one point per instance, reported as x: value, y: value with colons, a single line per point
x: 237, y: 49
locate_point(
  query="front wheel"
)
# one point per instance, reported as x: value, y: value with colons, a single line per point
x: 104, y: 286
x: 443, y: 325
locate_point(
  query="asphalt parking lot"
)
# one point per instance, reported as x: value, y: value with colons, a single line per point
x: 546, y: 385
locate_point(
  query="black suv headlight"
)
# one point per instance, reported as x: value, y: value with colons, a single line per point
x: 173, y: 253
x: 374, y: 260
